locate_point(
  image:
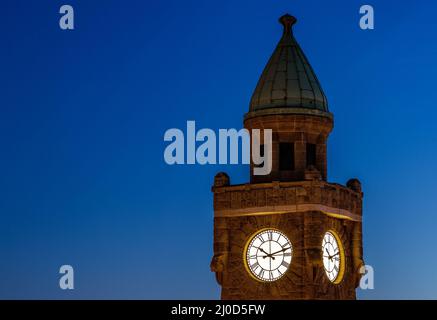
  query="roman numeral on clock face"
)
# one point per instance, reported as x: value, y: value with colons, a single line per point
x: 255, y: 265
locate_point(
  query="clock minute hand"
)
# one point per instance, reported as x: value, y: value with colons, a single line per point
x: 279, y: 251
x: 334, y: 255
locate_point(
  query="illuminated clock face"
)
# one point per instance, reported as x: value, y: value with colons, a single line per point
x: 332, y: 257
x: 268, y: 255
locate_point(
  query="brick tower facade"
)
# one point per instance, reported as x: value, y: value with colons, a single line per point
x: 314, y: 224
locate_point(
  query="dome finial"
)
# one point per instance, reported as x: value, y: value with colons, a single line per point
x: 287, y: 21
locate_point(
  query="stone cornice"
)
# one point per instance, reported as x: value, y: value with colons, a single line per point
x: 287, y: 197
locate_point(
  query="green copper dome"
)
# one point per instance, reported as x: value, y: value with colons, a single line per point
x: 288, y: 84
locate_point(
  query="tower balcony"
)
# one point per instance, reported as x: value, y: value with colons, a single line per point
x: 288, y: 197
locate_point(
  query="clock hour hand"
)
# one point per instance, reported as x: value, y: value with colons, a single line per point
x: 262, y: 250
x: 267, y: 254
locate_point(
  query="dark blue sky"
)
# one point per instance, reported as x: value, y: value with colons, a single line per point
x: 83, y: 114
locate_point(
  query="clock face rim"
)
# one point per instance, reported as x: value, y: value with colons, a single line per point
x: 246, y: 255
x: 340, y: 275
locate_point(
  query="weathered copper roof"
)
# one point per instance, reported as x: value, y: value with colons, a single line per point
x: 288, y: 84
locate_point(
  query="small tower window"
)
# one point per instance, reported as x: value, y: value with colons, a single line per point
x: 286, y: 156
x: 311, y: 154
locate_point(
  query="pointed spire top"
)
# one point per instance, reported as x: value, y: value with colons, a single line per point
x: 287, y: 21
x: 288, y: 82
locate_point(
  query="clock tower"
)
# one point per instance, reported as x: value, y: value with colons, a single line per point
x: 290, y: 234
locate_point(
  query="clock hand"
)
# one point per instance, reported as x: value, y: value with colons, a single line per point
x: 329, y: 256
x: 267, y: 254
x: 280, y: 251
x: 262, y: 250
